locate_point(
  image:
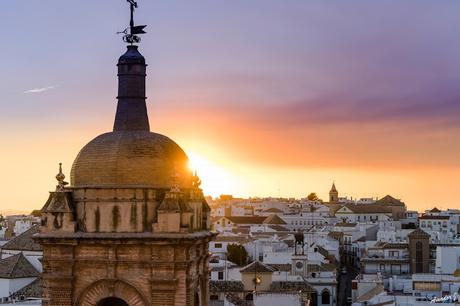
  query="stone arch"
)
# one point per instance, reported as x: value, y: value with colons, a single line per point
x: 325, y: 297
x: 107, y: 288
x: 112, y: 301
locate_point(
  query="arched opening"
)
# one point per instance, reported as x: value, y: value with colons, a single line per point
x: 112, y: 301
x: 314, y: 299
x: 418, y: 257
x: 325, y: 297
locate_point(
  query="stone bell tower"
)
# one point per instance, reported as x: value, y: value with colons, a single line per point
x: 333, y: 195
x: 132, y: 227
x: 299, y: 260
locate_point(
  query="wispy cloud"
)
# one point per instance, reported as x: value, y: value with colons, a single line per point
x: 39, y: 89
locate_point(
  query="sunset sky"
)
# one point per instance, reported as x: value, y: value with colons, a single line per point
x: 267, y: 97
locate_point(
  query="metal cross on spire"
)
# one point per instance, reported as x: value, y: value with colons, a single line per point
x: 131, y: 37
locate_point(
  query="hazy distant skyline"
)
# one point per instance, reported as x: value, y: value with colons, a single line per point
x: 267, y: 97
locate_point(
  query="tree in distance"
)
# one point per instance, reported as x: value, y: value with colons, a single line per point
x: 237, y: 254
x: 313, y: 197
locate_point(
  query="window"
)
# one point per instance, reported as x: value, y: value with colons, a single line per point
x: 396, y: 269
x: 382, y: 267
x: 325, y: 297
x: 394, y: 253
x: 249, y: 297
x: 220, y: 275
x: 214, y: 297
x: 218, y: 245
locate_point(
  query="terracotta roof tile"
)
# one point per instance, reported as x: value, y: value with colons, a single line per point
x: 274, y: 219
x: 257, y: 267
x: 429, y: 217
x: 283, y: 286
x: 246, y: 219
x: 418, y: 233
x: 17, y: 266
x: 390, y: 201
x: 368, y: 208
x: 273, y: 210
x: 32, y: 290
x: 226, y: 286
x: 24, y: 241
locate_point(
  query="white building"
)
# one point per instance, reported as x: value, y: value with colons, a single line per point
x: 25, y: 245
x: 363, y: 213
x: 391, y: 231
x: 447, y: 259
x: 305, y: 220
x: 16, y: 272
x: 443, y: 227
x: 219, y: 245
x: 386, y: 259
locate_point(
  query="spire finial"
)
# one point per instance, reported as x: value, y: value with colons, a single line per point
x: 196, y: 180
x: 333, y: 188
x: 131, y: 37
x: 60, y: 177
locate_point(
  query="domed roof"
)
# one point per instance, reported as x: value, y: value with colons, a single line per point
x: 131, y: 159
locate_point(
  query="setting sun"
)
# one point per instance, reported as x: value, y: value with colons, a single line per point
x: 216, y: 180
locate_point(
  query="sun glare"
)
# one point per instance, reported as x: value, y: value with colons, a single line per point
x: 216, y: 180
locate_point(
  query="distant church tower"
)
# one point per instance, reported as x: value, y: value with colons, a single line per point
x: 299, y: 260
x: 419, y: 251
x: 132, y: 228
x: 333, y: 195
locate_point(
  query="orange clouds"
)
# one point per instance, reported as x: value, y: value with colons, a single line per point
x: 267, y: 137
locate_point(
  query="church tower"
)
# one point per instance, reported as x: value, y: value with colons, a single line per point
x: 333, y: 195
x: 132, y: 227
x: 299, y: 260
x: 419, y: 251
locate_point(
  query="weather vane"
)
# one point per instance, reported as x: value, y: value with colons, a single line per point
x: 131, y: 37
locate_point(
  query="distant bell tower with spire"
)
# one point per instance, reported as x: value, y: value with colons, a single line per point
x: 333, y: 195
x: 132, y: 227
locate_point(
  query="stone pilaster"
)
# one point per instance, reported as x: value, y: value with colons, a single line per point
x: 163, y: 291
x: 59, y: 291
